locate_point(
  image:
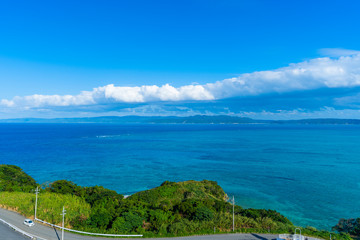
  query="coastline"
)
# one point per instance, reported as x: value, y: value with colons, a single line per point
x: 139, y: 157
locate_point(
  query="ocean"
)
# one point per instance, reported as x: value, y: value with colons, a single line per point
x: 309, y: 173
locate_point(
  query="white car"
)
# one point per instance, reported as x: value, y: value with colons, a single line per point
x: 29, y: 222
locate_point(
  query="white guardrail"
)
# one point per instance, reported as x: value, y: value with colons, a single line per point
x: 20, y: 231
x: 296, y: 237
x: 88, y: 233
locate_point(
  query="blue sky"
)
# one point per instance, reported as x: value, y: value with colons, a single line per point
x: 260, y: 59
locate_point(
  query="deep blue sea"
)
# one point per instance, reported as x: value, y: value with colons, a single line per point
x: 309, y: 173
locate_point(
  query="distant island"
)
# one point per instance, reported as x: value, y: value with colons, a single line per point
x: 172, y: 209
x: 197, y: 119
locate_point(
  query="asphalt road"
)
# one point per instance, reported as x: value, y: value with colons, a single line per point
x: 48, y: 233
x: 7, y: 233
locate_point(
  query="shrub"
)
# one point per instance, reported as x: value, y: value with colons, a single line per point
x: 13, y: 178
x: 203, y: 214
x: 351, y: 226
x: 63, y: 187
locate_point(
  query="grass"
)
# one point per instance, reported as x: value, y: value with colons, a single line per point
x: 50, y: 206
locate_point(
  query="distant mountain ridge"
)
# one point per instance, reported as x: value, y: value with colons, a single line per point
x: 197, y: 119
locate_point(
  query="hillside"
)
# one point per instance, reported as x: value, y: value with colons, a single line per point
x: 13, y: 178
x: 196, y: 119
x: 138, y: 119
x: 174, y: 193
x: 172, y: 209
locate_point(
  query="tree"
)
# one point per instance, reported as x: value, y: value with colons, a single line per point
x: 128, y: 222
x: 63, y: 187
x: 100, y: 218
x: 13, y: 178
x: 351, y: 226
x: 203, y: 214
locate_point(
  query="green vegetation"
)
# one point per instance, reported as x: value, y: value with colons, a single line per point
x: 49, y: 206
x: 311, y: 231
x: 12, y: 178
x: 349, y: 226
x: 172, y: 209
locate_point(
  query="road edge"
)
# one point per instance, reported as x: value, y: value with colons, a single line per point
x: 33, y: 237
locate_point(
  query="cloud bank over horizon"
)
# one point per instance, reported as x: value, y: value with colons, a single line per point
x: 319, y: 73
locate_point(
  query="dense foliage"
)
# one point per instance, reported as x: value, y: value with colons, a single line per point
x: 12, y: 178
x: 350, y: 226
x: 172, y: 209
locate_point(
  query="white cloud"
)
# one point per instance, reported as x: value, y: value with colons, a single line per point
x: 337, y: 52
x: 308, y: 75
x: 111, y: 93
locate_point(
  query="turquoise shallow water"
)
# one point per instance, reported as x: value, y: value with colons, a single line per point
x: 310, y: 173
